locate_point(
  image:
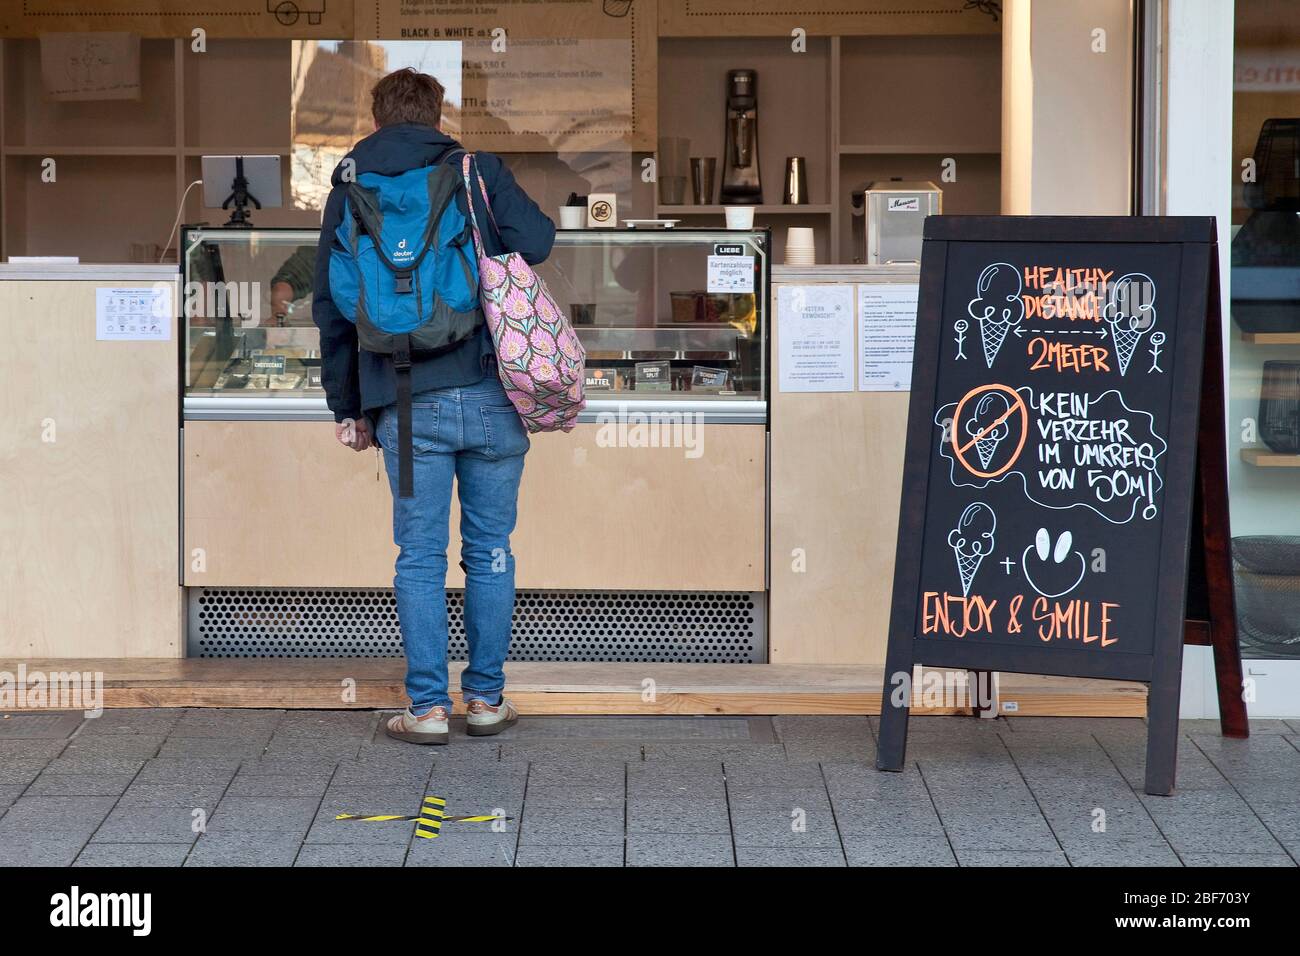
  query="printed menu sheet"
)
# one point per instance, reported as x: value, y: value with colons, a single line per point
x: 815, y: 338
x: 132, y: 315
x: 886, y: 333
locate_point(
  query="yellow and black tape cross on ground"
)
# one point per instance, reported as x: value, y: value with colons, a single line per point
x: 431, y: 814
x: 389, y: 817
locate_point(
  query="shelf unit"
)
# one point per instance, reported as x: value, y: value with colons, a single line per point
x: 1271, y: 338
x: 858, y: 108
x: 896, y: 107
x: 1263, y: 458
x: 122, y: 166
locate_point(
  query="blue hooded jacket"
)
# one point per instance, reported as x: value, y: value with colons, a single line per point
x: 357, y: 381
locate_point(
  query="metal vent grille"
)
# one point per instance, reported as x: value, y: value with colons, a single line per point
x: 669, y: 626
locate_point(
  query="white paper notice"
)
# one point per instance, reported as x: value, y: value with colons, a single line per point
x: 886, y: 334
x: 133, y: 315
x: 731, y: 274
x: 815, y: 338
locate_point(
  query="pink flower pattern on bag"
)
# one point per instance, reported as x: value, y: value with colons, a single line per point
x: 539, y: 357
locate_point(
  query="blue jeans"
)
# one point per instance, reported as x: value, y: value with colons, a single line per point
x: 471, y: 433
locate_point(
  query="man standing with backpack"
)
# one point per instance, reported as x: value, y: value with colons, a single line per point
x: 407, y: 362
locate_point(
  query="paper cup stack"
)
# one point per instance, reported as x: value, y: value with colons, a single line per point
x: 800, y: 247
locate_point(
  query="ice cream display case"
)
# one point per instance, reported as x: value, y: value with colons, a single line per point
x: 671, y: 319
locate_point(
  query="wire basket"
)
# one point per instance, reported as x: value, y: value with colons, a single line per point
x: 1266, y: 571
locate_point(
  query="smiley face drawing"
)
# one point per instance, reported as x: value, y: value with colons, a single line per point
x: 1054, y: 573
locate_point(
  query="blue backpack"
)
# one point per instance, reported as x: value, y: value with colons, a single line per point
x: 401, y: 272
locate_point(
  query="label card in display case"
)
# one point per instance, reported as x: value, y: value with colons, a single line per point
x: 1058, y: 451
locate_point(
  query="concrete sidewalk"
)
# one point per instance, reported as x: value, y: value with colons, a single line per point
x: 263, y: 787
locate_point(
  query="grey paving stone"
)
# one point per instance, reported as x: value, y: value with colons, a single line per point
x: 1061, y: 727
x: 290, y: 814
x: 1194, y: 769
x: 280, y: 766
x: 826, y: 738
x: 10, y: 792
x: 246, y: 848
x: 677, y: 787
x: 630, y: 728
x: 175, y: 794
x: 547, y: 827
x: 1118, y: 853
x: 577, y: 773
x: 555, y: 855
x: 29, y: 749
x: 665, y: 767
x: 678, y: 849
x: 712, y: 750
x: 788, y: 856
x: 74, y: 814
x: 459, y: 847
x: 813, y: 797
x: 919, y: 851
x: 133, y: 854
x: 752, y: 774
x: 39, y: 725
x: 1210, y: 821
x: 124, y: 746
x: 1011, y: 858
x: 182, y: 770
x: 91, y: 764
x: 227, y: 722
x: 351, y: 855
x: 879, y: 817
x: 83, y: 784
x: 19, y: 773
x: 39, y: 849
x: 572, y: 751
x: 575, y: 797
x: 276, y: 785
x: 137, y: 824
x: 207, y: 748
x: 338, y: 748
x: 131, y: 720
x: 327, y: 723
x: 777, y: 827
x: 673, y: 816
x: 1237, y: 859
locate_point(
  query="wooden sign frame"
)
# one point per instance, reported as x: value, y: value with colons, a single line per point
x: 1195, y: 487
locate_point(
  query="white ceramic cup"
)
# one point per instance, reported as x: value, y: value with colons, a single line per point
x: 573, y: 217
x: 740, y: 217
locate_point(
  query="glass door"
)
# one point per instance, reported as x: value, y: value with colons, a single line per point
x: 1264, y: 349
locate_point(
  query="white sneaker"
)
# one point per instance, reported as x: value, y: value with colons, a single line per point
x: 432, y: 728
x: 484, y: 720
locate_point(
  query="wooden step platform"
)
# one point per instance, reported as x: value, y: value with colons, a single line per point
x: 553, y: 688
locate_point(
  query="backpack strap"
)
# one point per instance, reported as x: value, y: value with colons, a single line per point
x: 405, y: 440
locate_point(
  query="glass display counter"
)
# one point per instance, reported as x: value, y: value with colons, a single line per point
x: 673, y: 319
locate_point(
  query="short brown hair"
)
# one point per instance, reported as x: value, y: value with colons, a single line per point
x: 407, y: 96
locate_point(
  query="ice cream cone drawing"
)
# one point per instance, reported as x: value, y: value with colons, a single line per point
x: 971, y: 541
x: 997, y: 306
x: 1130, y: 311
x: 988, y: 425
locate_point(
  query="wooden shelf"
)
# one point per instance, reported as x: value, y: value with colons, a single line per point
x: 855, y: 150
x: 808, y: 209
x: 1263, y: 458
x: 1271, y: 338
x: 90, y: 150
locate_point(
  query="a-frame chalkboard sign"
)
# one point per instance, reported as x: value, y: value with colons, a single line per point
x: 1066, y: 427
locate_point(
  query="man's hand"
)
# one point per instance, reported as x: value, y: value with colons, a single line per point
x: 281, y: 301
x: 354, y: 433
